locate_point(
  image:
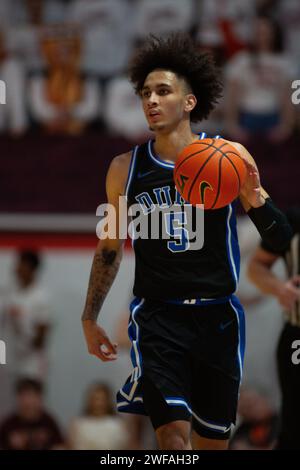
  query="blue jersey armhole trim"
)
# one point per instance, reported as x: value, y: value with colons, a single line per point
x: 131, y: 170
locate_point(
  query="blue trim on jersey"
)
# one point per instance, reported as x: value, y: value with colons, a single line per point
x: 235, y: 242
x: 128, y: 390
x: 131, y: 170
x: 133, y: 333
x: 232, y: 244
x: 159, y: 161
x: 156, y: 159
x: 240, y: 316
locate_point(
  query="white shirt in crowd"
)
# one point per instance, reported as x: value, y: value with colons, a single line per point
x: 163, y: 16
x: 106, y: 33
x: 288, y: 15
x: 261, y: 80
x: 13, y: 115
x: 92, y: 433
x: 33, y: 308
x: 240, y: 14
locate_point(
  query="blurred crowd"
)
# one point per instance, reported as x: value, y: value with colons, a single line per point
x: 65, y: 61
x: 27, y: 423
x: 26, y: 323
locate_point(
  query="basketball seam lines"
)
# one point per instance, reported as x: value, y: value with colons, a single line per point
x: 234, y: 153
x: 219, y: 182
x: 237, y: 173
x: 192, y: 155
x: 204, y: 164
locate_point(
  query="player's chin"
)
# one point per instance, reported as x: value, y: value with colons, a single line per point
x: 158, y: 126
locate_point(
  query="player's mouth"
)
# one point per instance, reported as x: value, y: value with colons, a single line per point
x: 153, y: 115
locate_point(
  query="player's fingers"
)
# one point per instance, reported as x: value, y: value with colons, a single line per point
x: 101, y: 355
x: 111, y: 347
x: 107, y: 353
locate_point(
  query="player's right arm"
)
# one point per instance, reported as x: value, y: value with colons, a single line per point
x: 260, y: 273
x: 106, y: 264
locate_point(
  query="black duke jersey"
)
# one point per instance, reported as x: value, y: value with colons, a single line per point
x: 168, y: 268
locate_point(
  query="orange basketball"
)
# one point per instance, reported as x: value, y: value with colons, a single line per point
x: 209, y: 172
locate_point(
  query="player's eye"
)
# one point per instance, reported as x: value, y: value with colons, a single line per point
x: 146, y: 94
x: 164, y: 91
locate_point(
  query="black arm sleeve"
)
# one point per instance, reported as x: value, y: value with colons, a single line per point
x: 272, y: 225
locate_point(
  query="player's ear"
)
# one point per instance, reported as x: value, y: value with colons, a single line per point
x: 190, y: 102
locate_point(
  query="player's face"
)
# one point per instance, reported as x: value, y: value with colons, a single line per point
x: 164, y: 98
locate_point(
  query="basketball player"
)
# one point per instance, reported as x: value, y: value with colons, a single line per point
x: 186, y: 325
x: 287, y: 292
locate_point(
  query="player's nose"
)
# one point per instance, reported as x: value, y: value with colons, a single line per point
x: 152, y: 100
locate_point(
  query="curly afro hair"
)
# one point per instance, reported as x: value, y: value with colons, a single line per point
x: 178, y: 54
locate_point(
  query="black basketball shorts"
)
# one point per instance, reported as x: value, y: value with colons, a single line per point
x: 187, y: 363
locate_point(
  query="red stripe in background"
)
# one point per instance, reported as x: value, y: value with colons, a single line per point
x: 66, y: 241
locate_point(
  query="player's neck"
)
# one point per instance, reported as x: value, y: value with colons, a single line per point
x: 169, y: 145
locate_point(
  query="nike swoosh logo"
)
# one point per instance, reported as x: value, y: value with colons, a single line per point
x: 142, y: 175
x: 270, y: 226
x: 224, y: 325
x: 203, y: 187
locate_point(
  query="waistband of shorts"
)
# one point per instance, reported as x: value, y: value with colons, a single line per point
x: 199, y: 301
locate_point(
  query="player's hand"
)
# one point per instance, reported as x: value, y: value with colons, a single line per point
x: 289, y: 293
x: 251, y: 189
x: 98, y: 342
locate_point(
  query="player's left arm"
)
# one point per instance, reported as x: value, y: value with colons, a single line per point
x: 271, y: 223
x: 252, y: 193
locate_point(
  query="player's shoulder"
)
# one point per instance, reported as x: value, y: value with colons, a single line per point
x: 118, y: 172
x: 119, y: 165
x: 121, y: 161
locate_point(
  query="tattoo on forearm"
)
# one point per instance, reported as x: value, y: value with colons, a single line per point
x: 104, y: 269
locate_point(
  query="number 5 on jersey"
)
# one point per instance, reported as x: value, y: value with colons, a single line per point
x: 174, y: 222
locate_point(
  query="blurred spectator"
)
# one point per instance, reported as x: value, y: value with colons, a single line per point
x: 123, y: 111
x: 30, y: 426
x: 99, y: 428
x: 63, y: 101
x: 26, y: 321
x: 162, y: 17
x: 258, y: 94
x: 106, y: 30
x: 258, y: 428
x: 28, y: 20
x: 13, y: 113
x: 287, y: 13
x: 225, y: 25
x: 6, y: 13
x: 39, y: 11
